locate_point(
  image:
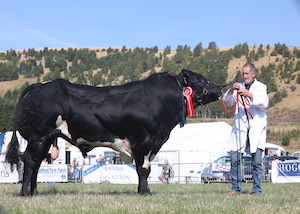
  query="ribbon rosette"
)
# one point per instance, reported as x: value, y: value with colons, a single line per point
x: 188, y: 93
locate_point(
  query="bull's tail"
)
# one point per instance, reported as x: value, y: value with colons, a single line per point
x: 12, y: 155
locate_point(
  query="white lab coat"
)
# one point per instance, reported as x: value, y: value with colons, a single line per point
x: 257, y: 129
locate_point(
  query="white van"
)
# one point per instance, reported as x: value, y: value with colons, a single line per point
x: 275, y: 149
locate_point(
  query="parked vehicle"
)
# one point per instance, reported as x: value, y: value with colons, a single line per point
x: 296, y: 154
x: 219, y: 170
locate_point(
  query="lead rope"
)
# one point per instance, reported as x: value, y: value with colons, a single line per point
x: 238, y: 100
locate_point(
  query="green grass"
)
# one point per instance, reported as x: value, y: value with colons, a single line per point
x: 73, y: 198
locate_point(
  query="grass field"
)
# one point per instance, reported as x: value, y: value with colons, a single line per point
x: 80, y: 198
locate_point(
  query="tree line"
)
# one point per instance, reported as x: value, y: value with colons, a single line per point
x: 121, y: 65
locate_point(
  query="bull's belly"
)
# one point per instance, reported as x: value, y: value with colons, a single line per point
x: 120, y: 145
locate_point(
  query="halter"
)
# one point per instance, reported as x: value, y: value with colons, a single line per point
x: 204, y: 91
x: 184, y: 100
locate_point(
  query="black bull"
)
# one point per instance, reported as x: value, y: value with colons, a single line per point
x: 135, y: 118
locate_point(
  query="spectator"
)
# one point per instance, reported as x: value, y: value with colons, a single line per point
x: 101, y: 160
x: 75, y: 164
x: 86, y: 160
x: 75, y: 172
x: 270, y: 153
x: 166, y: 172
x: 117, y: 159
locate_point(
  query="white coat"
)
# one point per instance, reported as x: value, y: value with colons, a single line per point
x: 257, y: 125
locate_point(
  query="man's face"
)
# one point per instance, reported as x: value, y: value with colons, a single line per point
x: 248, y: 75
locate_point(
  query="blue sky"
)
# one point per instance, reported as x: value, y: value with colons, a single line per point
x: 141, y: 23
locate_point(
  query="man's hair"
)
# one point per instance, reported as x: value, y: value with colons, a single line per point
x: 251, y: 66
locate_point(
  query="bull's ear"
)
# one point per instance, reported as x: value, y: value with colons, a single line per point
x: 184, y: 77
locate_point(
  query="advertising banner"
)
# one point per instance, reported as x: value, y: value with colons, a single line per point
x: 221, y: 167
x: 6, y: 176
x: 116, y: 174
x: 286, y: 172
x: 53, y: 173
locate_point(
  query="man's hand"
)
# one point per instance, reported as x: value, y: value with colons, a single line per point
x: 245, y: 93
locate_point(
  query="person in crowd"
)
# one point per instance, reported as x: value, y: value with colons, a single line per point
x: 101, y: 160
x: 75, y: 170
x: 249, y: 126
x: 117, y: 159
x: 86, y: 160
x: 75, y: 164
x: 270, y: 153
x: 166, y: 172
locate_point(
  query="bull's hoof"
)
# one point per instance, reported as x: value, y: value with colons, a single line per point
x: 27, y: 193
x: 24, y: 193
x: 144, y: 192
x: 34, y: 192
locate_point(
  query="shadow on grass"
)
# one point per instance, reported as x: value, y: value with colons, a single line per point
x: 58, y: 191
x: 52, y: 190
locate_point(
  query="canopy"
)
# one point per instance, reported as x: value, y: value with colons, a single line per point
x: 205, y: 137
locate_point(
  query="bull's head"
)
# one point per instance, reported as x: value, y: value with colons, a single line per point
x: 204, y: 91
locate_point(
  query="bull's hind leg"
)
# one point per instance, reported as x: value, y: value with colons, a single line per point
x: 33, y: 156
x: 31, y: 163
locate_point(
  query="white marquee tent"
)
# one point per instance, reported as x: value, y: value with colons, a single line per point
x: 190, y: 148
x: 209, y: 137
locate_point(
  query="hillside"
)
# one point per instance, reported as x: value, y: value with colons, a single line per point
x: 283, y: 116
x: 292, y: 101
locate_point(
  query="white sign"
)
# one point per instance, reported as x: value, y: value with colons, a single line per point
x: 116, y: 174
x: 6, y: 176
x: 286, y: 171
x: 53, y: 173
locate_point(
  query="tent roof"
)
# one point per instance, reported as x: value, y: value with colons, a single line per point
x: 199, y: 137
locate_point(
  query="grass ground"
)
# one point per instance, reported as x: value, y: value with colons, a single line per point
x: 80, y: 198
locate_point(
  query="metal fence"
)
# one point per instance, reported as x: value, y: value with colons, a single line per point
x: 208, y: 176
x: 191, y: 173
x: 187, y: 172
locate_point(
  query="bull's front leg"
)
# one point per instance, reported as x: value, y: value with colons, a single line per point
x: 143, y: 168
x: 33, y: 185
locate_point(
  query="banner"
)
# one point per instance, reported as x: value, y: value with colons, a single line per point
x: 221, y: 167
x: 6, y: 176
x: 53, y: 173
x: 116, y: 174
x: 286, y: 171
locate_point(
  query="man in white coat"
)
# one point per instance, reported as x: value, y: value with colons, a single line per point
x: 249, y: 127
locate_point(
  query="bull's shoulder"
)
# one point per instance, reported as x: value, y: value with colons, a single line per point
x: 160, y: 76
